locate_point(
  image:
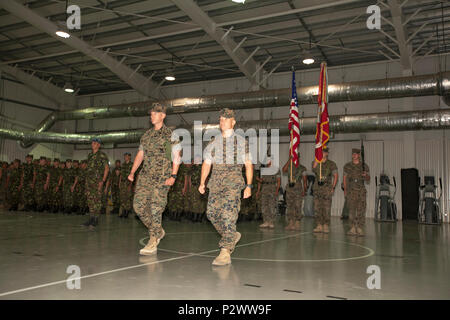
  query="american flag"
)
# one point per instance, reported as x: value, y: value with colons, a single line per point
x: 294, y: 125
x: 323, y: 122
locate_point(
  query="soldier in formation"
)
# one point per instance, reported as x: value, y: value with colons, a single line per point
x: 96, y: 174
x: 324, y: 187
x: 295, y: 191
x: 28, y: 179
x: 356, y: 175
x: 268, y: 189
x: 126, y: 186
x: 115, y: 190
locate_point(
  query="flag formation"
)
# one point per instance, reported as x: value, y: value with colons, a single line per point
x: 294, y: 125
x: 323, y: 122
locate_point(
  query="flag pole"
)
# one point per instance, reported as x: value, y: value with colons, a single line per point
x: 291, y: 180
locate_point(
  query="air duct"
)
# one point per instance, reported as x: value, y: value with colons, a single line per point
x: 426, y: 85
x: 376, y: 122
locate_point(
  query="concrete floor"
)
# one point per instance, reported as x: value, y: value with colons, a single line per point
x: 36, y: 250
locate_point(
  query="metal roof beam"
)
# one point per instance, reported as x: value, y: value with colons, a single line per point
x: 401, y: 34
x: 45, y: 88
x: 241, y: 58
x: 136, y: 80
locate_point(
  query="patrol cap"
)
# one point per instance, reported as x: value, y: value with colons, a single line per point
x: 29, y: 156
x: 83, y: 161
x: 355, y: 150
x: 326, y: 149
x: 127, y: 154
x: 42, y: 158
x: 98, y: 140
x: 227, y: 113
x: 56, y: 160
x: 76, y: 161
x: 16, y: 160
x: 68, y: 160
x: 156, y: 107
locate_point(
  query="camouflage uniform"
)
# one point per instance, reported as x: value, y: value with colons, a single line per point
x: 105, y: 193
x: 356, y: 193
x: 294, y: 194
x: 176, y: 199
x: 39, y: 192
x: 197, y: 201
x: 69, y: 196
x: 225, y: 185
x: 150, y: 198
x: 80, y: 190
x: 94, y: 175
x: 126, y: 192
x: 15, y: 176
x: 4, y: 177
x: 55, y: 175
x: 269, y: 197
x: 27, y: 188
x: 323, y: 194
x: 115, y: 191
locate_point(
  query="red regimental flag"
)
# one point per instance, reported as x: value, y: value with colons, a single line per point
x: 323, y: 122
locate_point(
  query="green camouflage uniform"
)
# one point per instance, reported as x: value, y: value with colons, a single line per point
x: 126, y: 191
x: 94, y: 175
x: 55, y: 200
x: 294, y: 194
x: 81, y: 189
x: 323, y: 194
x: 356, y: 193
x: 15, y: 176
x: 115, y: 191
x: 269, y: 197
x: 197, y: 201
x: 69, y: 179
x: 176, y: 200
x: 150, y: 198
x: 3, y: 190
x: 105, y: 193
x: 225, y: 187
x: 39, y: 192
x: 27, y: 189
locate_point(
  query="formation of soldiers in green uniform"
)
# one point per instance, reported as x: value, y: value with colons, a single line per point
x: 84, y: 187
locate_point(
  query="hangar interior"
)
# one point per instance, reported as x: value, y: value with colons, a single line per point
x: 391, y: 90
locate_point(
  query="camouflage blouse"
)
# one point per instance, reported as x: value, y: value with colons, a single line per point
x: 227, y: 166
x: 157, y: 146
x: 96, y: 166
x: 353, y: 174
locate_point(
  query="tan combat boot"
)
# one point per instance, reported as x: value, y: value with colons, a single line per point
x: 360, y: 232
x: 296, y: 226
x: 325, y: 229
x: 352, y: 231
x: 264, y: 225
x: 318, y: 229
x: 151, y: 247
x: 223, y: 258
x: 270, y: 226
x: 290, y: 226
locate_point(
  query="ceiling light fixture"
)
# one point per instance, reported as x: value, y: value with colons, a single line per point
x: 62, y: 30
x: 308, y: 60
x: 170, y: 76
x: 69, y: 88
x: 238, y: 1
